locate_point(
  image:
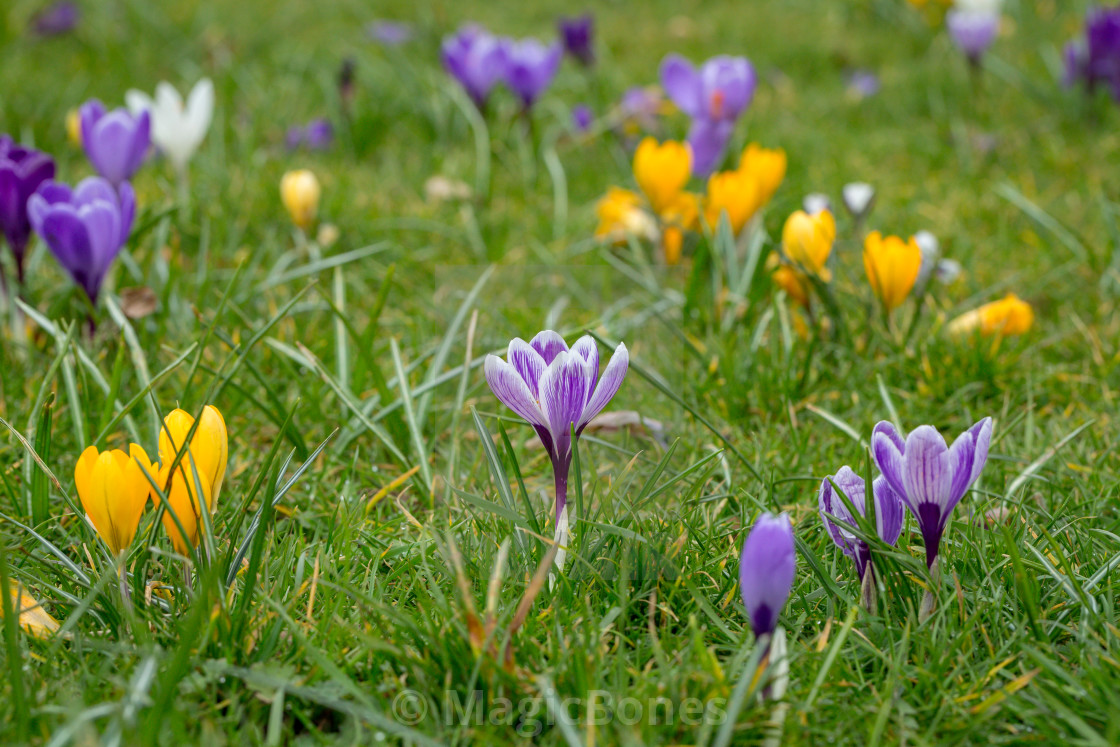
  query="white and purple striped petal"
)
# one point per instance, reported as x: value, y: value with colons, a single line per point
x: 564, y: 391
x: 512, y: 391
x: 528, y: 363
x: 549, y: 344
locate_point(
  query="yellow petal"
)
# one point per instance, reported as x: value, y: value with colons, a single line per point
x: 182, y: 498
x: 32, y: 617
x: 300, y: 192
x: 807, y: 241
x: 892, y: 267
x: 662, y: 170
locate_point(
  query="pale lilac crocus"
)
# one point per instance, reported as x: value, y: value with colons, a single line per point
x: 714, y: 96
x: 889, y: 513
x: 555, y: 388
x: 84, y: 227
x: 56, y: 19
x: 930, y: 477
x: 766, y: 571
x: 530, y: 67
x: 389, y: 33
x: 476, y: 59
x: 115, y: 142
x: 972, y: 26
x: 22, y: 170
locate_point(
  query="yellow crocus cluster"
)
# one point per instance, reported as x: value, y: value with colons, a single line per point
x: 892, y: 267
x: 742, y: 192
x: 300, y: 192
x: 1010, y: 315
x: 114, y: 487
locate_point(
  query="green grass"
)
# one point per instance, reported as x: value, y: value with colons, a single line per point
x: 346, y: 615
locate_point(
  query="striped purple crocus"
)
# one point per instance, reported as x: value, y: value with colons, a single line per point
x: 766, y: 570
x: 930, y: 477
x: 555, y: 389
x: 889, y: 512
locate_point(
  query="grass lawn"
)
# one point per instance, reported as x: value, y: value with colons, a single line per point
x: 375, y: 568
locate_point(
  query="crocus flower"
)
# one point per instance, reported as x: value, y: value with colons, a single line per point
x: 577, y: 34
x: 116, y: 142
x: 931, y: 254
x: 767, y: 167
x: 477, y: 59
x: 863, y: 83
x: 892, y: 267
x: 300, y: 192
x: 1095, y: 59
x: 317, y: 135
x: 766, y: 569
x: 816, y: 202
x: 621, y: 215
x: 56, y: 19
x: 582, y: 117
x: 973, y: 25
x: 389, y: 33
x: 556, y: 389
x: 177, y: 129
x: 734, y: 193
x: 1010, y: 315
x: 22, y: 171
x: 713, y: 96
x: 858, y: 198
x: 85, y: 227
x: 930, y: 477
x: 807, y: 242
x: 33, y: 618
x: 889, y: 513
x: 207, y: 456
x: 792, y: 282
x: 661, y: 171
x: 113, y: 488
x: 530, y: 68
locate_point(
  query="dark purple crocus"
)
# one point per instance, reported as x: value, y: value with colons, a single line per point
x: 713, y: 96
x: 56, y: 19
x: 973, y: 31
x: 930, y: 477
x: 766, y: 570
x: 477, y: 59
x: 530, y: 68
x: 577, y: 34
x: 553, y: 388
x: 116, y: 142
x: 889, y: 513
x: 85, y: 227
x: 22, y: 170
x: 389, y: 33
x: 1095, y: 60
x: 582, y: 117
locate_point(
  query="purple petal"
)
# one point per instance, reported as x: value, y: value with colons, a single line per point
x: 586, y: 348
x: 608, y: 385
x: 564, y: 391
x: 682, y: 84
x: 549, y: 344
x: 94, y: 188
x: 527, y: 362
x: 889, y: 511
x: 927, y: 470
x: 887, y: 448
x: 728, y: 85
x: 708, y: 140
x: 766, y: 570
x: 511, y: 390
x: 68, y: 239
x: 128, y: 209
x: 829, y: 503
x: 961, y: 455
x: 982, y: 434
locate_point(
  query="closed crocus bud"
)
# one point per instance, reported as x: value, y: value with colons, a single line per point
x: 766, y: 570
x: 734, y: 193
x: 1010, y: 315
x: 892, y: 267
x: 208, y: 454
x: 858, y: 198
x: 74, y: 128
x: 807, y: 241
x: 661, y: 171
x: 113, y: 489
x: 116, y: 142
x: 767, y: 166
x: 816, y: 202
x: 300, y: 193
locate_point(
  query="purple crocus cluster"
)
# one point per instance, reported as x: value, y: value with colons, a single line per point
x: 714, y: 96
x: 1095, y: 59
x: 318, y: 134
x: 479, y: 61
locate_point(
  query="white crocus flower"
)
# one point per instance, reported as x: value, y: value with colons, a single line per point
x: 177, y: 130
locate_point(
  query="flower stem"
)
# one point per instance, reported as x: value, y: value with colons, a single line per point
x: 560, y: 473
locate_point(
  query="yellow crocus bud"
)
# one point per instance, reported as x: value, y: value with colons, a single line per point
x: 300, y: 193
x: 892, y: 267
x: 766, y: 166
x: 208, y: 454
x: 113, y: 489
x: 807, y: 241
x: 1010, y: 315
x: 620, y: 216
x: 736, y: 193
x: 789, y: 280
x: 662, y: 171
x: 74, y: 128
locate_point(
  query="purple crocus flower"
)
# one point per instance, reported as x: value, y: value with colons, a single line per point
x: 973, y: 31
x: 116, y: 142
x: 930, y: 477
x: 530, y: 68
x: 477, y: 59
x: 319, y: 134
x: 1096, y: 59
x: 714, y: 96
x: 863, y: 83
x: 22, y: 170
x: 582, y: 117
x: 56, y: 19
x: 766, y: 570
x: 85, y: 227
x: 389, y: 33
x: 576, y: 34
x: 555, y: 388
x: 889, y: 513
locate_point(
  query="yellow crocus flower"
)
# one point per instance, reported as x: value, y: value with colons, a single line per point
x: 793, y: 283
x: 300, y: 192
x: 621, y: 215
x: 29, y: 612
x: 807, y: 241
x: 767, y: 166
x: 892, y: 267
x: 208, y: 454
x: 113, y: 489
x: 736, y: 193
x: 661, y: 171
x: 1010, y: 315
